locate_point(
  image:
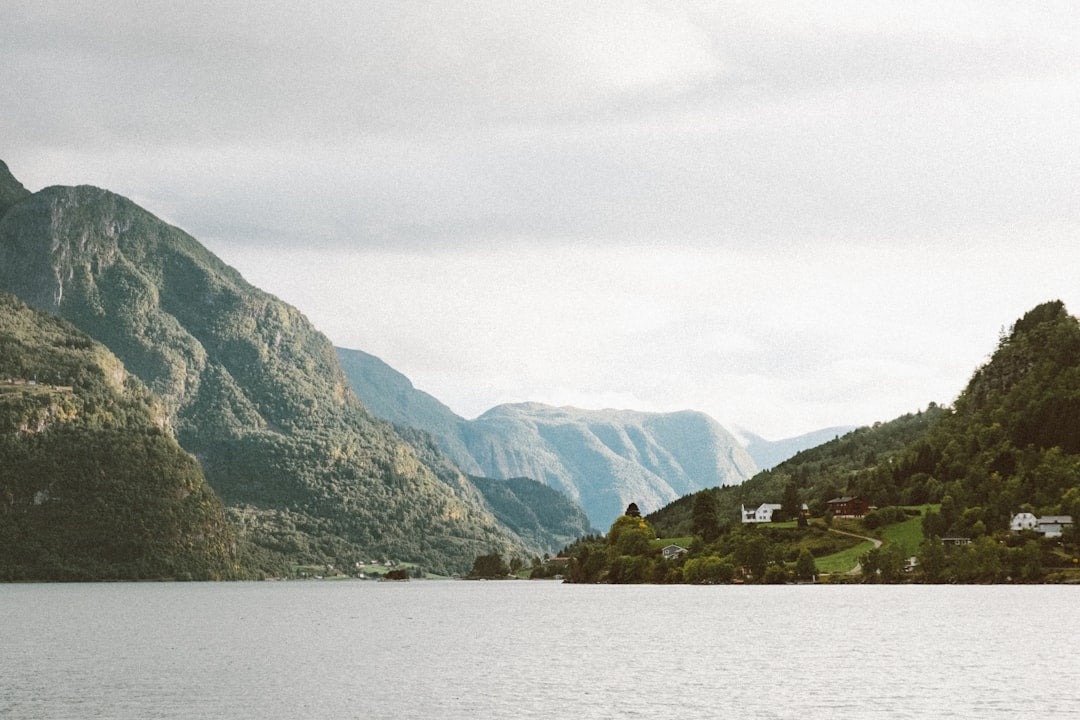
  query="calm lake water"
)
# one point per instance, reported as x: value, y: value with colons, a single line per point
x: 536, y: 650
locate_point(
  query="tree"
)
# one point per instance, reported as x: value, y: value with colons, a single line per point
x: 883, y: 564
x: 751, y: 551
x: 630, y: 535
x: 931, y: 558
x: 703, y: 516
x: 790, y: 507
x: 632, y: 510
x: 489, y: 567
x: 933, y: 525
x: 805, y: 568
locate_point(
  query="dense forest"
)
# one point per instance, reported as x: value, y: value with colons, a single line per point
x: 92, y: 483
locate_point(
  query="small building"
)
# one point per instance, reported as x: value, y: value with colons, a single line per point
x: 958, y: 541
x: 1053, y: 525
x: 761, y: 514
x: 1023, y: 521
x: 848, y: 507
x: 670, y: 552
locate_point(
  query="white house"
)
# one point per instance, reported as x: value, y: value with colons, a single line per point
x: 1048, y: 525
x: 761, y: 514
x: 1052, y: 525
x: 1023, y: 521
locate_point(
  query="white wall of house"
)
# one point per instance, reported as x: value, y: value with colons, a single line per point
x: 761, y: 514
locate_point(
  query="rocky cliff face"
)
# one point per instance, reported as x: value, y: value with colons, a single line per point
x: 251, y: 388
x: 603, y: 460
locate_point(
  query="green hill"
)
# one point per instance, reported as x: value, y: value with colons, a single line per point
x: 848, y: 465
x: 92, y: 484
x: 250, y: 387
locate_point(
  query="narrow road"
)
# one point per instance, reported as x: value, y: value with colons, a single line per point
x: 858, y: 567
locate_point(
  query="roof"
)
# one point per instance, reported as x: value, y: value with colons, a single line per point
x: 673, y: 545
x: 1058, y: 519
x: 842, y: 499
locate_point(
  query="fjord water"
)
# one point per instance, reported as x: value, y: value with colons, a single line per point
x: 536, y: 650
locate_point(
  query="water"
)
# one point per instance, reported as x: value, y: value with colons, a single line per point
x: 536, y: 650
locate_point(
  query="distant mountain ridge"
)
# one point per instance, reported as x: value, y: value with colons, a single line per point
x: 770, y: 453
x: 603, y: 459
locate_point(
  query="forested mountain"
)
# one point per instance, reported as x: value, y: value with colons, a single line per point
x: 92, y: 483
x: 849, y: 464
x: 1011, y: 442
x: 602, y: 459
x: 248, y: 385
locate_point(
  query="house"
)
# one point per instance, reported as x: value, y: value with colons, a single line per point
x: 761, y: 514
x: 1023, y: 521
x: 958, y: 541
x: 670, y: 552
x: 848, y: 507
x: 1047, y: 525
x: 1052, y: 525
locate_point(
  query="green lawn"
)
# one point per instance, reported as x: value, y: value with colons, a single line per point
x: 664, y: 542
x: 844, y: 560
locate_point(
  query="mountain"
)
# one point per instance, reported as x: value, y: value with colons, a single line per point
x: 770, y: 453
x: 1011, y: 442
x: 92, y: 484
x: 247, y: 384
x: 602, y: 459
x: 606, y: 459
x: 391, y: 396
x: 840, y: 466
x: 11, y: 190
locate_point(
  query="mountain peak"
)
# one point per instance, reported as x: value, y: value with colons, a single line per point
x: 11, y: 190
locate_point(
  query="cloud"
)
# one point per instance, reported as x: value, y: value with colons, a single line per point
x: 737, y: 207
x: 440, y: 126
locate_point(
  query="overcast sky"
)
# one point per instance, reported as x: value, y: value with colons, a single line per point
x: 787, y: 215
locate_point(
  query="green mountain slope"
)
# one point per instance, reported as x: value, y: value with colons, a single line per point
x: 1011, y: 443
x: 847, y: 465
x: 92, y: 484
x: 1013, y: 439
x: 251, y: 388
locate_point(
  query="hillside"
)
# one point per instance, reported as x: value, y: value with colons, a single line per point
x: 92, y: 484
x: 844, y: 465
x: 249, y: 386
x: 1011, y: 443
x: 390, y: 395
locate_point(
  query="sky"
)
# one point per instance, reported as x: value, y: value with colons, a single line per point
x: 787, y: 215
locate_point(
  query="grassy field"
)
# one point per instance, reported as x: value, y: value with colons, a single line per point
x: 664, y: 542
x: 844, y: 560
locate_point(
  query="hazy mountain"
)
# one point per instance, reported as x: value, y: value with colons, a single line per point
x: 770, y: 453
x: 92, y: 485
x: 602, y: 460
x: 250, y: 387
x: 391, y: 396
x: 606, y: 459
